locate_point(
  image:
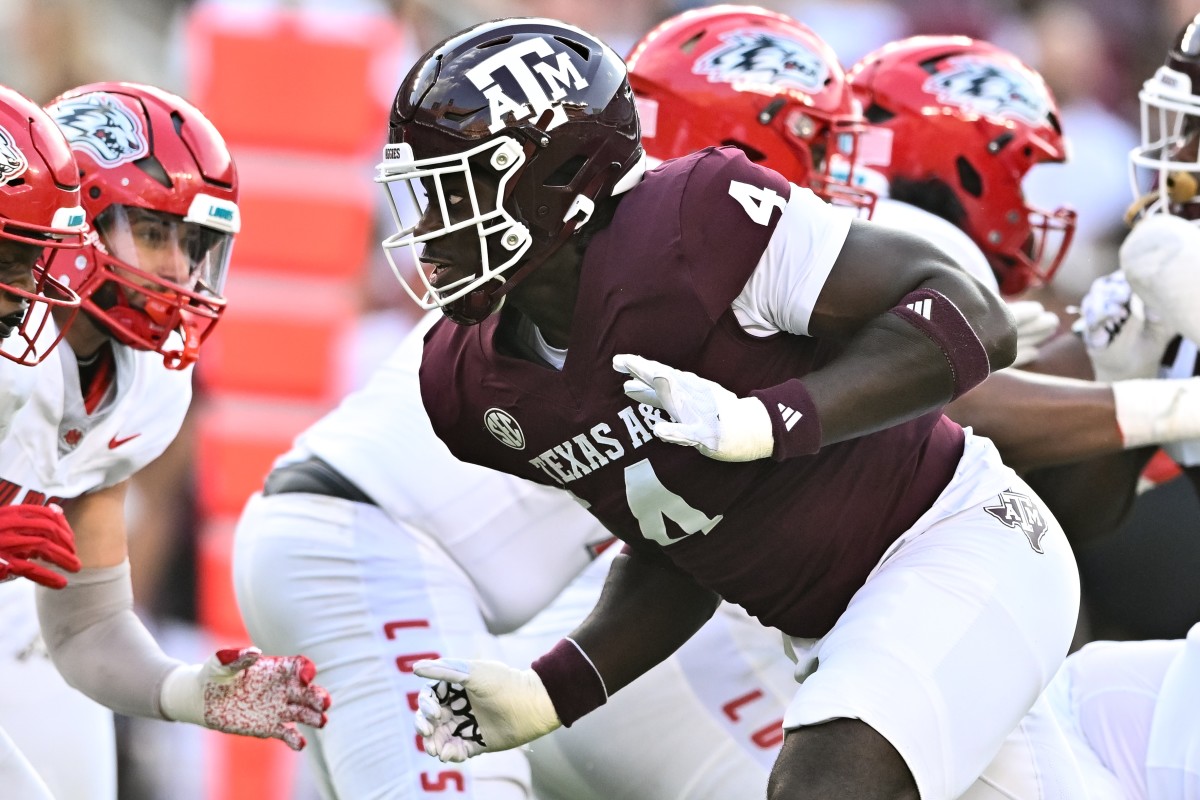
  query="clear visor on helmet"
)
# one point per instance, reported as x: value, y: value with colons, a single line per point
x: 1165, y: 166
x: 161, y: 274
x: 161, y: 251
x: 29, y: 301
x: 438, y: 206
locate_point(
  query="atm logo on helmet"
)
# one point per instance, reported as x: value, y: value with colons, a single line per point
x: 554, y: 68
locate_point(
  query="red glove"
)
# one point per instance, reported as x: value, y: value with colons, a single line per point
x: 242, y: 691
x: 41, y: 532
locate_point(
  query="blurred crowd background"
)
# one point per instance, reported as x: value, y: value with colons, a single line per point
x: 301, y: 89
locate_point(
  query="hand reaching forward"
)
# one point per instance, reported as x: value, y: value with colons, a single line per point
x: 1159, y: 257
x: 707, y: 416
x: 1125, y: 340
x: 1035, y: 326
x: 242, y: 691
x: 36, y: 532
x: 480, y: 707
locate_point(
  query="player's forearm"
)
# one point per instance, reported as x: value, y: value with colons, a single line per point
x: 646, y: 611
x: 1038, y: 421
x: 100, y: 646
x: 900, y: 366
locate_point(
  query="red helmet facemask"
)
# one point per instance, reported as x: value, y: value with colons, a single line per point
x: 967, y: 119
x: 160, y: 188
x: 39, y: 213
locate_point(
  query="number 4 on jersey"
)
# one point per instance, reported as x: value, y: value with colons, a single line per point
x: 758, y: 201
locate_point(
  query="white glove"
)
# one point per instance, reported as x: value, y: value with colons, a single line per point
x: 1161, y: 257
x: 242, y: 691
x: 707, y: 416
x: 480, y: 707
x: 1034, y: 326
x: 1124, y: 339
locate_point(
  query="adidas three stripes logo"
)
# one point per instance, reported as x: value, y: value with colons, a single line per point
x: 790, y: 416
x: 922, y: 307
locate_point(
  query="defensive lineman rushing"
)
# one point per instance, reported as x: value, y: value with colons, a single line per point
x: 160, y: 190
x: 784, y: 287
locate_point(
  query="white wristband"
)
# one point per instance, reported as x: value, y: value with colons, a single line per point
x: 1157, y: 411
x: 182, y: 697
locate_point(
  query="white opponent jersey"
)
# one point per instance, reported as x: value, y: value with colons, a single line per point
x: 17, y: 380
x: 55, y: 450
x: 947, y: 236
x: 493, y: 525
x: 16, y: 387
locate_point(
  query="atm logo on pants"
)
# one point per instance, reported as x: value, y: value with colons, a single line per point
x: 1021, y: 512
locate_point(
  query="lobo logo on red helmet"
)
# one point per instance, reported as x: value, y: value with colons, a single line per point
x: 536, y: 100
x: 752, y: 57
x: 100, y: 124
x: 12, y: 160
x: 986, y: 87
x: 1020, y: 512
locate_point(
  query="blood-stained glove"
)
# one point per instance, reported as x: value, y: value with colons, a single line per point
x: 242, y: 691
x: 1034, y: 326
x: 1125, y: 340
x: 1161, y: 258
x: 707, y: 416
x: 480, y: 707
x: 36, y: 532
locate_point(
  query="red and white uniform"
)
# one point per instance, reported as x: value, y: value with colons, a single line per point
x: 1128, y: 709
x: 54, y: 451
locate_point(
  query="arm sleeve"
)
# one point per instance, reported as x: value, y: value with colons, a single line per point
x: 783, y: 289
x: 100, y: 646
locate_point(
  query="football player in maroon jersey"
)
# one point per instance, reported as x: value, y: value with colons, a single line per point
x: 743, y: 383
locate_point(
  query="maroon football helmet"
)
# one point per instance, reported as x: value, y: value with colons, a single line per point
x: 1165, y: 167
x: 39, y: 214
x: 512, y: 129
x: 754, y: 79
x: 160, y: 189
x: 971, y: 119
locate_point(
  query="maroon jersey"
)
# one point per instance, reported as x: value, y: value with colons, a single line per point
x: 791, y: 541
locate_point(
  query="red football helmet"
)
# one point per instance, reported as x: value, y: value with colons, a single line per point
x: 39, y: 212
x: 160, y: 189
x: 514, y: 130
x: 754, y: 79
x: 957, y: 123
x: 1165, y: 167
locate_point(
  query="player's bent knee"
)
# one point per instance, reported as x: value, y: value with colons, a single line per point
x: 843, y: 758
